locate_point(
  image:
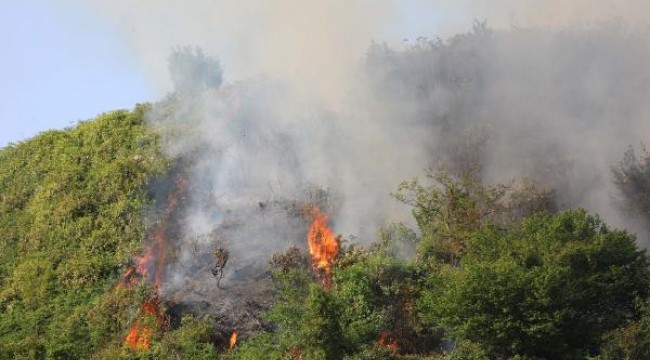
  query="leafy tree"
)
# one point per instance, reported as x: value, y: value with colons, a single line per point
x: 261, y: 346
x: 191, y: 340
x: 549, y: 288
x: 307, y: 318
x: 632, y: 177
x: 378, y: 293
x: 372, y: 293
x: 467, y: 350
x: 448, y: 210
x: 192, y: 71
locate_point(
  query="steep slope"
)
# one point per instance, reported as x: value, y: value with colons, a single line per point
x: 72, y: 208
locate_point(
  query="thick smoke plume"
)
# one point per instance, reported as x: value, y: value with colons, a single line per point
x: 551, y: 91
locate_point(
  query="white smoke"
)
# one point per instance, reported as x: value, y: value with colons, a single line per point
x: 559, y: 89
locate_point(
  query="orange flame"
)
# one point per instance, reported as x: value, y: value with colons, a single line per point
x: 388, y: 341
x: 151, y: 265
x: 155, y: 257
x: 149, y: 268
x: 233, y: 339
x: 139, y: 336
x: 139, y: 270
x: 323, y: 246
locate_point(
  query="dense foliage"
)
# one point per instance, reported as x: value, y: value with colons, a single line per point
x: 72, y: 208
x: 549, y: 288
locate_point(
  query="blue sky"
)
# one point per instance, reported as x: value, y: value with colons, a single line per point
x: 60, y: 64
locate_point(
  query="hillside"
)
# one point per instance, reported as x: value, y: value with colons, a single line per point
x: 249, y: 220
x: 72, y: 212
x: 74, y: 205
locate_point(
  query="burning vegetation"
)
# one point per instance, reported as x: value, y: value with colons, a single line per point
x: 241, y: 261
x: 232, y: 342
x: 368, y: 300
x: 150, y: 319
x: 389, y: 342
x: 323, y: 246
x: 149, y: 270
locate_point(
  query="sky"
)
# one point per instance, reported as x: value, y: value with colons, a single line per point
x: 61, y: 64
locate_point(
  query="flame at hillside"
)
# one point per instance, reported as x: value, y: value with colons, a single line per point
x: 151, y: 265
x: 323, y: 247
x: 139, y: 270
x: 233, y: 339
x: 160, y: 244
x: 388, y: 341
x: 150, y: 318
x: 150, y: 268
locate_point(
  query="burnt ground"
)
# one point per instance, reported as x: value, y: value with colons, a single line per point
x: 239, y: 246
x: 233, y: 307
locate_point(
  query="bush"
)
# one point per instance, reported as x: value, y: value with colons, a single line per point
x: 549, y: 288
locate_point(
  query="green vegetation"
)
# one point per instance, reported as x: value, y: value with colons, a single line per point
x: 492, y: 272
x: 549, y: 288
x: 71, y: 214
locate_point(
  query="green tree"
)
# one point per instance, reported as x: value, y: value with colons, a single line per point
x: 632, y: 178
x: 549, y: 288
x: 629, y: 342
x: 448, y: 210
x: 307, y: 318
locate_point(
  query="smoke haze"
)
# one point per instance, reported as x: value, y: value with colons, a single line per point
x: 318, y: 113
x: 317, y: 43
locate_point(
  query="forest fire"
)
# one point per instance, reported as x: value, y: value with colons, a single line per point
x: 233, y: 339
x: 323, y: 247
x: 139, y: 337
x: 139, y: 270
x: 149, y: 318
x: 150, y: 268
x: 388, y: 341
